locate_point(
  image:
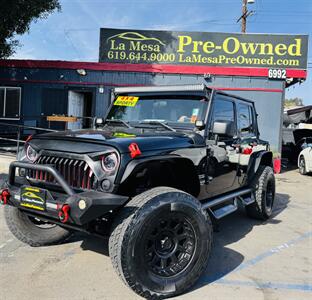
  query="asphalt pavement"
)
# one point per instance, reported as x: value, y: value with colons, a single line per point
x: 250, y: 259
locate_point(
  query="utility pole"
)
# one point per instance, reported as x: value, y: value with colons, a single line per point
x: 245, y: 14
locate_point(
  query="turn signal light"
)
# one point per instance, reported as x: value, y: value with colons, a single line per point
x: 28, y: 138
x: 134, y: 150
x: 4, y: 196
x: 63, y: 213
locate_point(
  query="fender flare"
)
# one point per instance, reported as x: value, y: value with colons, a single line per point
x: 258, y: 158
x: 191, y: 170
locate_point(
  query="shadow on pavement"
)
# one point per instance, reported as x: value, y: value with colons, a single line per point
x: 96, y: 244
x: 232, y: 229
x: 3, y: 176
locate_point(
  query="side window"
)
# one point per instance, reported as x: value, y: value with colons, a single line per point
x: 245, y: 119
x: 223, y: 112
x: 10, y: 100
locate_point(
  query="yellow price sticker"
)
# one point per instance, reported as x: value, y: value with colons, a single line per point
x: 126, y: 101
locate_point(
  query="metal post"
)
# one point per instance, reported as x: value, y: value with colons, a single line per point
x: 18, y: 140
x: 244, y: 16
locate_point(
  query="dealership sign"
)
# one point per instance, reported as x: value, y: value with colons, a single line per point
x: 203, y: 48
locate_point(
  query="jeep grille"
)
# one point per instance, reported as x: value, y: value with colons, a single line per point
x: 76, y: 173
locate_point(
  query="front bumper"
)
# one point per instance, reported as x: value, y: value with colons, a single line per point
x: 80, y: 208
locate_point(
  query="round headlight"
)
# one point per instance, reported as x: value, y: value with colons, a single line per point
x: 31, y: 153
x: 110, y: 162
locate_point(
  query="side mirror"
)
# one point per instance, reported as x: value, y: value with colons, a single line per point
x: 223, y: 128
x: 199, y: 124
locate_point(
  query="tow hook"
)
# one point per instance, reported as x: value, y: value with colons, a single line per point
x: 63, y: 213
x: 4, y: 196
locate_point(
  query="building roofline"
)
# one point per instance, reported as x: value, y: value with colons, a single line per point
x: 148, y: 68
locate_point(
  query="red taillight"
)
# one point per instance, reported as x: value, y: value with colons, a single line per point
x: 63, y: 213
x: 247, y: 151
x: 134, y: 150
x: 4, y: 196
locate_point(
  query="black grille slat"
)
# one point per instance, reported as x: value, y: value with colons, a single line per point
x: 80, y: 173
x: 76, y: 173
x: 65, y: 170
x: 75, y: 181
x: 69, y: 170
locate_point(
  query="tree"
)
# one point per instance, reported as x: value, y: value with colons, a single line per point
x: 16, y: 17
x: 293, y: 102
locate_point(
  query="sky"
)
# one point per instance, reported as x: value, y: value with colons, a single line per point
x: 73, y: 33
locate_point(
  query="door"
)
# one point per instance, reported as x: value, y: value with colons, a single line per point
x: 248, y: 141
x: 75, y: 109
x: 222, y: 166
x: 53, y: 102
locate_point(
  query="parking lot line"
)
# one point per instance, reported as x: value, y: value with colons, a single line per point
x: 216, y: 278
x: 273, y: 251
x: 267, y: 285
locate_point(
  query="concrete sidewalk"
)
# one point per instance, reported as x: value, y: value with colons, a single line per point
x: 5, y: 160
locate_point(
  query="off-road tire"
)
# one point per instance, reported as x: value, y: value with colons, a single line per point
x: 25, y: 230
x: 302, y: 166
x: 264, y: 193
x: 128, y: 239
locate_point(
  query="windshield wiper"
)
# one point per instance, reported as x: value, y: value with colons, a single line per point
x: 156, y: 122
x: 118, y: 121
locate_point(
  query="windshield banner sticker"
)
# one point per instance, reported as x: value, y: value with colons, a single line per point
x: 204, y: 48
x: 126, y: 101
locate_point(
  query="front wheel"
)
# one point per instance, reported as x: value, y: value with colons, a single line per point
x: 302, y: 166
x: 33, y: 231
x: 160, y: 242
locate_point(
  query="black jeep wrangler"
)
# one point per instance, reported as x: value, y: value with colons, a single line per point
x: 162, y: 166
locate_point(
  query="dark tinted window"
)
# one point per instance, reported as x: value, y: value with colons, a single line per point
x: 245, y: 119
x: 9, y: 102
x: 223, y: 111
x: 309, y: 140
x: 12, y: 102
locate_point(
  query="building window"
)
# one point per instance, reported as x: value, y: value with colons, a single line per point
x: 10, y: 102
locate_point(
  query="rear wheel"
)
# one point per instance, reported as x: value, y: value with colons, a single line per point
x: 160, y: 242
x: 302, y: 166
x: 264, y: 194
x: 33, y: 231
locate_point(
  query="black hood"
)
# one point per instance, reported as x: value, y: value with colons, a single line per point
x: 92, y: 140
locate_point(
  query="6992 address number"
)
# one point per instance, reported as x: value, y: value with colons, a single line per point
x: 277, y: 74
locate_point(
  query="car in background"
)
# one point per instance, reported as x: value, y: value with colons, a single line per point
x: 305, y: 156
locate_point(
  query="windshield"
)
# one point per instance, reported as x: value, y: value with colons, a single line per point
x: 183, y: 111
